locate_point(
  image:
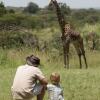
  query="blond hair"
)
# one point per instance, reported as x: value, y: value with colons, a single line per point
x: 55, y: 78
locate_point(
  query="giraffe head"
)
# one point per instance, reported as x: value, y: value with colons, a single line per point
x: 67, y: 27
x: 52, y: 2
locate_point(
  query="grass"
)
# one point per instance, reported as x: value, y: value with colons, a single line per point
x: 78, y: 84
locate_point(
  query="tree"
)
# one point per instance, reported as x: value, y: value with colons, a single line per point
x: 11, y: 11
x: 92, y: 19
x: 64, y: 8
x: 31, y: 8
x: 2, y: 9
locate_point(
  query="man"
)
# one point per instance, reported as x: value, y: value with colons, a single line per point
x: 29, y: 81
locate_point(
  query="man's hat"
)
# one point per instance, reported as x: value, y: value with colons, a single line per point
x: 33, y: 60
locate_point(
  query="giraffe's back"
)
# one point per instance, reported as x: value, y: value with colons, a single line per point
x: 74, y: 36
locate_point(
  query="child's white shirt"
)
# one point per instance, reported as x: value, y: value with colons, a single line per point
x: 55, y: 92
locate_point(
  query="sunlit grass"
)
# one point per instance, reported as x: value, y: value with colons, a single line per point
x: 78, y: 84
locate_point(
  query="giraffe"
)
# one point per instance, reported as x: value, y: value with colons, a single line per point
x: 69, y: 36
x: 91, y: 39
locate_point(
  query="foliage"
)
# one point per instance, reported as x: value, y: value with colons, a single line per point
x: 17, y: 39
x: 2, y: 9
x: 11, y: 11
x: 92, y: 19
x: 55, y: 44
x: 83, y: 16
x: 44, y: 20
x: 31, y: 8
x: 64, y: 8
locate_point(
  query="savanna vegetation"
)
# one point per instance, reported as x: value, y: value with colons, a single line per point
x: 35, y: 30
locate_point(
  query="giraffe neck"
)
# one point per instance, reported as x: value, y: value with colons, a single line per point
x: 60, y: 17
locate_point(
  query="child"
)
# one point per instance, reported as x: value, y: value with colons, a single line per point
x: 55, y: 92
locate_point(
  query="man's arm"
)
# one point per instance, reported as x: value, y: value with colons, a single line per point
x: 43, y: 81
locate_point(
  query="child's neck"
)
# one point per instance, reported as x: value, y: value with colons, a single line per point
x: 56, y: 84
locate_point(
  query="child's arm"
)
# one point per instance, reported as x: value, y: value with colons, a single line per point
x: 61, y: 96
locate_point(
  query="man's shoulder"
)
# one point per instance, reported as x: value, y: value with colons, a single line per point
x: 36, y: 68
x: 29, y: 68
x: 26, y: 66
x: 21, y: 66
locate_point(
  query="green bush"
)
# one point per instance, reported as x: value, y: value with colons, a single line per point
x: 17, y: 39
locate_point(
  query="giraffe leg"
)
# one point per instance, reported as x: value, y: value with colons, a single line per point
x: 64, y: 50
x: 79, y: 55
x: 85, y: 60
x: 67, y: 61
x: 66, y: 55
x: 83, y: 52
x: 77, y: 47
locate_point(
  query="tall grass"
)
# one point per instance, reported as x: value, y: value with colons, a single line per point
x: 89, y: 28
x: 78, y: 84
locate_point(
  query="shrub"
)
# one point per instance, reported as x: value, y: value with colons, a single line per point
x: 17, y: 39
